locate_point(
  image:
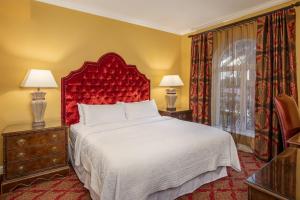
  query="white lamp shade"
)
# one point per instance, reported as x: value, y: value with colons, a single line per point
x: 171, y: 81
x: 36, y: 78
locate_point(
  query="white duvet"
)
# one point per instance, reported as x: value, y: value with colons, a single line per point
x: 131, y: 160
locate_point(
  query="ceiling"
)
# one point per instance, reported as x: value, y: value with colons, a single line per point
x: 174, y: 16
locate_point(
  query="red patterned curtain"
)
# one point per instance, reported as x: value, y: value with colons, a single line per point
x: 275, y: 74
x: 200, y: 79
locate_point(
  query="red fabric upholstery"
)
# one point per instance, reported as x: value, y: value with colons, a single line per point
x: 288, y: 115
x: 104, y: 82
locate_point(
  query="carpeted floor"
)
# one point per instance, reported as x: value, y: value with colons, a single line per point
x: 70, y: 188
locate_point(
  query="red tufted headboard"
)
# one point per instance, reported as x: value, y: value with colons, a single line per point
x: 104, y: 82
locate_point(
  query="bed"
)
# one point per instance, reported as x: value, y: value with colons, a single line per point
x: 148, y: 158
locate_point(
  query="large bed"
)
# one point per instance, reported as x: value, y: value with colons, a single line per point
x: 149, y: 158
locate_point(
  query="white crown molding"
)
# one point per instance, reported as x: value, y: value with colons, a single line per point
x: 75, y: 6
x: 237, y: 15
x: 106, y: 14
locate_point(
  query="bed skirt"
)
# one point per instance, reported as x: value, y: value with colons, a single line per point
x: 169, y: 194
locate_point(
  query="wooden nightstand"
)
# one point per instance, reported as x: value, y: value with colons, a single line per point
x: 183, y: 114
x: 30, y: 154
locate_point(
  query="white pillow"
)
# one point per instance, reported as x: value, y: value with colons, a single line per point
x: 102, y: 114
x: 81, y: 114
x: 141, y: 109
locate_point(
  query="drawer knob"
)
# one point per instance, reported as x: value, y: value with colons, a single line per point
x: 21, y: 168
x: 21, y: 142
x: 54, y: 148
x: 54, y: 136
x: 54, y: 160
x: 21, y: 155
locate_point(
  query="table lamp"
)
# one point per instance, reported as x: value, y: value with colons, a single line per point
x: 38, y: 79
x: 171, y: 81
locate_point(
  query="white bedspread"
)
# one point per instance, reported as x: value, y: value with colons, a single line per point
x: 131, y: 160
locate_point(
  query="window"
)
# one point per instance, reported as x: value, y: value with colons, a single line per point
x: 234, y: 85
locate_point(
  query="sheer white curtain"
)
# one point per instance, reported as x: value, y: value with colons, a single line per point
x: 233, y: 87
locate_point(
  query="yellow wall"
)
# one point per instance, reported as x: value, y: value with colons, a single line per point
x: 37, y: 35
x: 186, y: 51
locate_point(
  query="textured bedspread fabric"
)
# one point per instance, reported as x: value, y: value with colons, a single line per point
x: 131, y: 160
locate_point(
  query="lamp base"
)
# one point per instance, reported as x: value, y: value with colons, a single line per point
x: 38, y: 108
x: 171, y: 99
x: 38, y: 124
x: 171, y: 109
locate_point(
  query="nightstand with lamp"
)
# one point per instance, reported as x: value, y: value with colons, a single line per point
x: 38, y: 150
x: 173, y: 81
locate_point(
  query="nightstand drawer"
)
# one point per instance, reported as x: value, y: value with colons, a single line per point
x: 27, y: 153
x: 32, y: 139
x: 182, y: 114
x: 23, y: 168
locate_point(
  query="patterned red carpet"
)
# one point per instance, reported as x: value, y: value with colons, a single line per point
x: 70, y: 188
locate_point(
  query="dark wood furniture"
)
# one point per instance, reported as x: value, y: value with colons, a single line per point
x: 180, y: 113
x: 32, y: 154
x: 279, y: 179
x: 294, y: 141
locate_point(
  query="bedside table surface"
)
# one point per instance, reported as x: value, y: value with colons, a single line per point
x: 174, y: 111
x: 24, y: 127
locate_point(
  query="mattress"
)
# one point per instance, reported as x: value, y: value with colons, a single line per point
x: 169, y: 194
x: 76, y: 128
x: 137, y: 159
